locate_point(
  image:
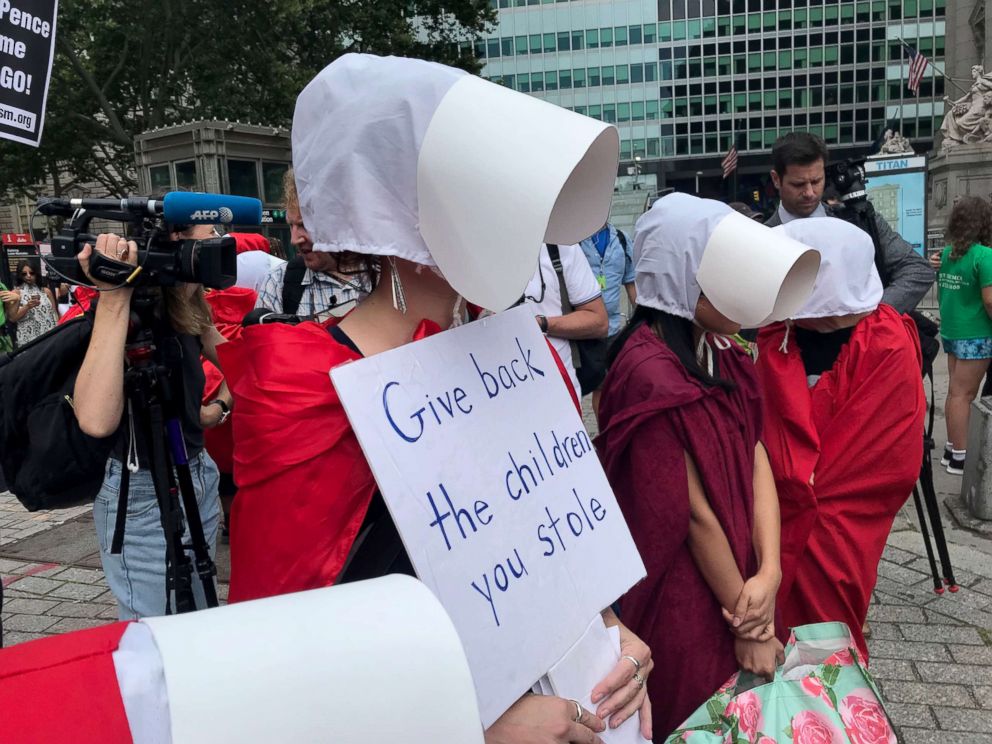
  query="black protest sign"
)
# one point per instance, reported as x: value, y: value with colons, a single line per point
x: 27, y: 45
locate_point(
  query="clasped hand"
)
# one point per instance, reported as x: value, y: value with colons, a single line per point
x: 753, y: 617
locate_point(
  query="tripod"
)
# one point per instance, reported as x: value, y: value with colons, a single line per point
x: 154, y: 393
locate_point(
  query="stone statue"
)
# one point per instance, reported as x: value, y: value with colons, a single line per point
x: 963, y: 122
x: 895, y: 144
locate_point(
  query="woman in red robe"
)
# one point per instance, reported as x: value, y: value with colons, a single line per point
x: 680, y: 419
x: 843, y: 413
x: 307, y: 513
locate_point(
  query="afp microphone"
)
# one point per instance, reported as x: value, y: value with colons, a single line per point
x: 177, y: 207
x: 188, y: 208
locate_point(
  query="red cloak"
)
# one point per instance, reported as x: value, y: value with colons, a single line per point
x: 228, y: 307
x: 858, y: 436
x: 303, y: 482
x: 63, y: 689
x: 651, y: 413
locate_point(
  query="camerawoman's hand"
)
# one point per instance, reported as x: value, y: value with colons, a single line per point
x: 11, y: 295
x: 114, y: 247
x: 210, y: 415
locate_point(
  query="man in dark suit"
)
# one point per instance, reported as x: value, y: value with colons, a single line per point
x: 798, y: 172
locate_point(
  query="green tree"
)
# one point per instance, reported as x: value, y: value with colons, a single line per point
x: 122, y: 69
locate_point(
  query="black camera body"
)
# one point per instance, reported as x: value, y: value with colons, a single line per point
x: 162, y: 262
x: 848, y: 178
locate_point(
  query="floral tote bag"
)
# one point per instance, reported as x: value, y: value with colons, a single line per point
x: 822, y: 694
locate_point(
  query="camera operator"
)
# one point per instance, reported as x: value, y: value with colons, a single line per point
x: 798, y: 172
x: 137, y: 575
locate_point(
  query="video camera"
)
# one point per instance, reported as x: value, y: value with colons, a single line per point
x: 162, y: 261
x: 848, y: 178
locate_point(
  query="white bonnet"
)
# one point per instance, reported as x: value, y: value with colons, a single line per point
x: 847, y: 282
x: 407, y: 158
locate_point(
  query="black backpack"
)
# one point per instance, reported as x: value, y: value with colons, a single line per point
x: 588, y: 354
x: 47, y: 460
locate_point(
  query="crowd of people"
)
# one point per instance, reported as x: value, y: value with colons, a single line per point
x: 759, y: 481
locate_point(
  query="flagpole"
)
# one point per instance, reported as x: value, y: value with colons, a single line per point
x: 733, y: 185
x: 934, y: 66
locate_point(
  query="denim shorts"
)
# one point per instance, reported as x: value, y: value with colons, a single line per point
x: 136, y: 575
x: 968, y: 348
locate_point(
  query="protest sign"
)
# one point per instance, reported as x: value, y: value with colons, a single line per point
x: 27, y: 47
x: 496, y: 491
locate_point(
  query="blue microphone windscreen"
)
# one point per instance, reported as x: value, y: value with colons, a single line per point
x: 189, y: 208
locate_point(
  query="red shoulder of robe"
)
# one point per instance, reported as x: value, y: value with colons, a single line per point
x: 64, y: 689
x: 858, y: 435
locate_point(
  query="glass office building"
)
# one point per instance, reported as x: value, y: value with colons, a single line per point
x: 684, y: 79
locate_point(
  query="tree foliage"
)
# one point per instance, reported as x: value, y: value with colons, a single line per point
x: 123, y: 68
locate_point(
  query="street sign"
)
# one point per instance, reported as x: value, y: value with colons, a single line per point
x: 27, y: 47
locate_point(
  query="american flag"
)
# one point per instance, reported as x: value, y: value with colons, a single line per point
x: 729, y: 162
x: 917, y: 66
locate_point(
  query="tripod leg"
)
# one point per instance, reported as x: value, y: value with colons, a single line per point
x: 205, y: 567
x: 933, y: 509
x: 938, y: 586
x: 179, y: 570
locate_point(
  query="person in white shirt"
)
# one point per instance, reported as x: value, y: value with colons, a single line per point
x: 588, y: 318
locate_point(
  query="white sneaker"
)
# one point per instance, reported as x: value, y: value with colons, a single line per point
x: 955, y: 466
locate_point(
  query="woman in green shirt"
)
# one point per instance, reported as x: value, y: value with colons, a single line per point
x: 965, y: 282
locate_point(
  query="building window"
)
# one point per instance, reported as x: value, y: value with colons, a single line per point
x: 550, y: 43
x: 161, y: 179
x: 606, y: 37
x: 564, y: 41
x: 634, y: 34
x: 272, y: 175
x: 242, y: 178
x: 592, y: 38
x: 535, y: 43
x: 620, y: 36
x: 579, y: 78
x: 506, y: 46
x: 564, y: 79
x: 186, y: 175
x: 521, y: 44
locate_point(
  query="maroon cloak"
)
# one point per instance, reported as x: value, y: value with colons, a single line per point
x: 651, y: 412
x: 858, y: 434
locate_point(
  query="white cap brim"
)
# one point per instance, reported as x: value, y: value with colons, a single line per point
x: 374, y: 662
x: 498, y: 175
x: 754, y: 275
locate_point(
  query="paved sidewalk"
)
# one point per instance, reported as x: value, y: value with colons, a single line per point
x: 16, y: 522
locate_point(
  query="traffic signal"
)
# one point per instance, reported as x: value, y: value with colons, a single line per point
x: 755, y: 196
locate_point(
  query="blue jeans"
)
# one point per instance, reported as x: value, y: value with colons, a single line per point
x: 136, y: 575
